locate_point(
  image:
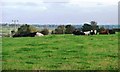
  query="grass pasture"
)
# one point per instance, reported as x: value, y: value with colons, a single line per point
x: 61, y: 52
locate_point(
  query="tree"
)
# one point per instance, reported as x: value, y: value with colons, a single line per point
x: 102, y: 28
x: 24, y: 29
x: 59, y: 30
x: 94, y: 25
x: 69, y: 29
x: 45, y: 31
x: 86, y: 27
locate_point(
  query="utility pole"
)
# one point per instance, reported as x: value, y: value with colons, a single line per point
x: 15, y: 23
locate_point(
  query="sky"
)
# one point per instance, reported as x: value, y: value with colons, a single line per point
x: 59, y: 11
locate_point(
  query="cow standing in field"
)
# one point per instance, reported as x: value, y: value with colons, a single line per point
x: 93, y: 32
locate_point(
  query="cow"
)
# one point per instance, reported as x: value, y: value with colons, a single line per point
x: 25, y: 35
x: 111, y: 31
x: 104, y: 32
x: 16, y: 35
x: 77, y: 32
x: 87, y: 33
x: 93, y: 32
x: 39, y: 34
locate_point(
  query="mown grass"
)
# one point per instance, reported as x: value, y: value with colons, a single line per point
x: 61, y: 52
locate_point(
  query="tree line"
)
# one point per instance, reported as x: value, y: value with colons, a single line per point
x: 61, y: 29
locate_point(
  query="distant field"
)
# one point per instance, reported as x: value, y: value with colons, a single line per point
x: 61, y: 52
x: 6, y: 29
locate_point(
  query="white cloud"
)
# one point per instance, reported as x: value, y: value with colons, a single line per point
x: 34, y: 1
x: 23, y: 4
x: 93, y: 3
x: 74, y: 11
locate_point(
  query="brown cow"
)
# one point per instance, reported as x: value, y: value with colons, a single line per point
x: 104, y: 32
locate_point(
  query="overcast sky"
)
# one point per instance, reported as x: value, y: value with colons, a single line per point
x: 60, y: 11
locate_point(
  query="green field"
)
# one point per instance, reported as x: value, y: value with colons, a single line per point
x: 61, y: 52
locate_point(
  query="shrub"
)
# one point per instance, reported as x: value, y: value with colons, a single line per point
x: 86, y: 27
x: 45, y: 31
x: 69, y: 29
x: 90, y: 26
x: 53, y: 32
x: 102, y: 29
x: 59, y: 30
x: 94, y: 25
x: 26, y: 29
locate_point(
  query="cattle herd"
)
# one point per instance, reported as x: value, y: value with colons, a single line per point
x: 75, y: 32
x: 93, y: 32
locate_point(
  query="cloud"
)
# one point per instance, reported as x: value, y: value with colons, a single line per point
x: 15, y: 1
x: 18, y: 4
x: 80, y: 3
x: 23, y: 4
x: 27, y: 4
x: 57, y: 11
x: 92, y: 3
x: 56, y: 1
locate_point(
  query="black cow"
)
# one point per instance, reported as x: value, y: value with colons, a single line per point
x: 25, y: 35
x: 92, y: 33
x: 16, y: 35
x: 111, y: 31
x: 77, y: 32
